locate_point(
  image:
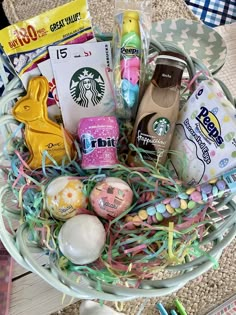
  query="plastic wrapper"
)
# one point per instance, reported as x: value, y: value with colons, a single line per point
x: 187, y: 202
x: 26, y: 42
x: 132, y: 22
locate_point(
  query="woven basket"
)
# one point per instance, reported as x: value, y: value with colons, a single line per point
x: 17, y: 243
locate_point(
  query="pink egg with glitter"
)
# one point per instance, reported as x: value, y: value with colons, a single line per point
x: 110, y: 197
x: 196, y: 196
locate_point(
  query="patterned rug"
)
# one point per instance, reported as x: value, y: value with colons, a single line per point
x: 228, y: 308
x: 214, y: 12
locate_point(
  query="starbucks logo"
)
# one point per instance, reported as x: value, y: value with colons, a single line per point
x: 161, y: 126
x: 87, y: 87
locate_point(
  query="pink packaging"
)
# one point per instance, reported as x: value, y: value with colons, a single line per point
x: 98, y: 138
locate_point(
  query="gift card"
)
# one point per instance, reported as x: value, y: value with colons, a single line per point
x: 83, y: 78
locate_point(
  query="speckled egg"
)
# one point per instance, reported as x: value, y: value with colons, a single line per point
x: 82, y: 238
x: 110, y: 197
x: 223, y: 162
x: 64, y: 196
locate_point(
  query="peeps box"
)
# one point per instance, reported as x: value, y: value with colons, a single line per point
x: 205, y: 135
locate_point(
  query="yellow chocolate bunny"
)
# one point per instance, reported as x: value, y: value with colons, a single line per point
x: 41, y: 133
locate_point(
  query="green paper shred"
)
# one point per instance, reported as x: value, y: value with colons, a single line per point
x: 129, y: 255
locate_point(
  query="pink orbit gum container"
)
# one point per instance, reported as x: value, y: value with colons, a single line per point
x: 98, y: 138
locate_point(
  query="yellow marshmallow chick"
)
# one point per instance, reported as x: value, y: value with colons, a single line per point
x: 130, y: 22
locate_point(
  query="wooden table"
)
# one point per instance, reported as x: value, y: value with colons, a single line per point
x: 31, y: 295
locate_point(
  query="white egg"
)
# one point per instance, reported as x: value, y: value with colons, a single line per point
x: 82, y: 239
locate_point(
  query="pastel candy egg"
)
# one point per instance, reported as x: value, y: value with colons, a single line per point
x: 196, y: 196
x: 190, y: 190
x: 191, y: 204
x: 213, y: 181
x: 151, y: 210
x: 64, y: 196
x: 183, y: 204
x: 204, y: 197
x: 179, y: 210
x: 170, y: 209
x: 166, y: 215
x: 166, y: 201
x: 110, y: 197
x: 221, y: 194
x: 82, y: 238
x: 206, y: 188
x: 160, y: 208
x: 221, y: 184
x: 159, y: 216
x: 215, y: 191
x: 143, y: 214
x: 223, y: 163
x: 183, y: 196
x: 137, y: 221
x: 175, y: 203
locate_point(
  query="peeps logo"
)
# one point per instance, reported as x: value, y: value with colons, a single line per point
x: 209, y: 126
x: 129, y: 51
x: 89, y: 143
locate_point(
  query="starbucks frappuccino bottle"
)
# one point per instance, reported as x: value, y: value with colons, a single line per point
x: 158, y: 110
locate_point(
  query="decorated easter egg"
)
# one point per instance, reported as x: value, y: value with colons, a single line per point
x: 223, y: 162
x: 110, y: 197
x: 82, y: 238
x: 215, y: 110
x: 64, y: 196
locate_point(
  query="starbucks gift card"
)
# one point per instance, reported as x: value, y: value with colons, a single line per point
x: 84, y: 81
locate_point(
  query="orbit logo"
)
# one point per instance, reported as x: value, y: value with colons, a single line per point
x: 89, y: 143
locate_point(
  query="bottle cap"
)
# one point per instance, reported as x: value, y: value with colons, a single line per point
x: 172, y: 56
x: 169, y: 69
